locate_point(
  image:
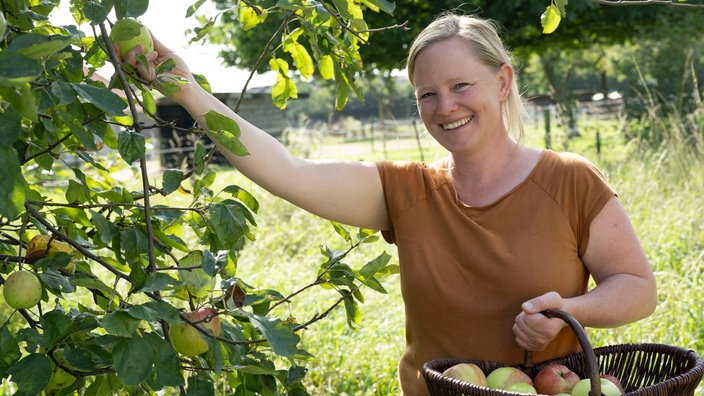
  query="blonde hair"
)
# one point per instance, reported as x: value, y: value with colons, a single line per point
x: 482, y: 37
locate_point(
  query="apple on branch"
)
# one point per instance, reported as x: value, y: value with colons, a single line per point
x: 129, y: 33
x: 554, y: 379
x: 186, y: 339
x: 22, y: 290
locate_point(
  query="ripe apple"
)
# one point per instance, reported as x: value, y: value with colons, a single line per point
x: 467, y: 372
x: 555, y: 378
x: 502, y: 377
x: 608, y: 388
x: 615, y: 380
x: 22, y: 290
x: 186, y: 339
x: 129, y: 33
x: 521, y: 387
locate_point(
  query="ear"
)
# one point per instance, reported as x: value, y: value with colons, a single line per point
x: 505, y: 79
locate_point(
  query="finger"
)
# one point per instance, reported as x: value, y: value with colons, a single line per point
x: 538, y: 304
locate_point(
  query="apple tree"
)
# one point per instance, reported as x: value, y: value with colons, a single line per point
x: 140, y: 291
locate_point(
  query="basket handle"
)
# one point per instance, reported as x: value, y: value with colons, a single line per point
x: 590, y: 357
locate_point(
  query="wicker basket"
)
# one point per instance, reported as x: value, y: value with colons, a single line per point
x: 644, y: 369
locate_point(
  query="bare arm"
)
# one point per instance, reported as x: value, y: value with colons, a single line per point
x: 625, y: 284
x: 349, y: 192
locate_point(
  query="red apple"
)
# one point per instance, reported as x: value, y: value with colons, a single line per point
x: 502, y: 377
x: 467, y: 372
x: 555, y: 378
x: 615, y: 380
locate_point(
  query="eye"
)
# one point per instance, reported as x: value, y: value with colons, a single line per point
x: 426, y: 95
x: 462, y: 85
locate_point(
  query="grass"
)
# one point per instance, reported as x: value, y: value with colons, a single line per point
x: 660, y: 188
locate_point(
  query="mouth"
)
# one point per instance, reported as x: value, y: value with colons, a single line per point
x: 457, y: 124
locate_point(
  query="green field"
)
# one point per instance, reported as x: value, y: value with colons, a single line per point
x: 661, y: 188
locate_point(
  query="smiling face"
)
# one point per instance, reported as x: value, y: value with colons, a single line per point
x: 459, y: 97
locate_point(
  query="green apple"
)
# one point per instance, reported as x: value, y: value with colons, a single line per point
x: 467, y: 372
x: 502, y: 377
x: 608, y: 388
x: 22, y: 290
x: 521, y: 387
x: 186, y: 339
x: 129, y: 33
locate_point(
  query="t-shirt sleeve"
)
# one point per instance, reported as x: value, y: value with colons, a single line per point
x: 591, y: 193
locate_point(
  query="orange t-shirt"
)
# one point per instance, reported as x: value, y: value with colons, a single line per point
x: 466, y: 270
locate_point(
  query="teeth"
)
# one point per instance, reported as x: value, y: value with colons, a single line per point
x: 457, y: 124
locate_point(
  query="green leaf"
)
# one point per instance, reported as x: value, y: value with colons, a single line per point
x: 550, y: 19
x: 132, y: 364
x: 31, y: 374
x: 167, y: 365
x: 21, y: 98
x: 172, y: 179
x: 10, y: 125
x: 301, y: 57
x: 165, y: 311
x: 199, y: 158
x: 103, y: 98
x: 341, y: 231
x: 9, y: 349
x: 120, y: 323
x: 130, y: 8
x: 149, y: 103
x: 354, y: 315
x: 326, y: 67
x: 57, y: 326
x: 280, y: 334
x: 197, y: 281
x: 244, y: 196
x: 200, y: 386
x: 38, y: 46
x: 131, y: 145
x: 249, y: 18
x: 12, y: 183
x: 17, y: 69
x: 55, y: 281
x: 383, y: 5
x: 159, y: 281
x: 95, y: 12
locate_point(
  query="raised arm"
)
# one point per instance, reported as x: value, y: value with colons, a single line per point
x: 349, y: 192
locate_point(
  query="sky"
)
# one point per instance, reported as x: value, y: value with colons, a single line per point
x: 168, y: 23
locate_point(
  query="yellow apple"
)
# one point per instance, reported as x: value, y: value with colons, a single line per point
x: 467, y: 372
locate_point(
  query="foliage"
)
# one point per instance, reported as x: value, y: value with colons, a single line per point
x: 139, y: 255
x: 323, y: 39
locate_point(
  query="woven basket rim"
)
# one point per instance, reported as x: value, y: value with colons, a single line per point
x: 689, y: 378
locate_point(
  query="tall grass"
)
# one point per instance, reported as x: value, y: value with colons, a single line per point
x: 661, y: 188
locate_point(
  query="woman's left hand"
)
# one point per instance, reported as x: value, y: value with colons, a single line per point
x: 533, y: 330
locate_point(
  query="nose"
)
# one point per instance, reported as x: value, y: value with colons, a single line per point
x: 446, y: 104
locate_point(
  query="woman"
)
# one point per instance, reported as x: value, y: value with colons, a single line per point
x: 487, y: 237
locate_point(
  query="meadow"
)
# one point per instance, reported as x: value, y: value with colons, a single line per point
x: 661, y: 188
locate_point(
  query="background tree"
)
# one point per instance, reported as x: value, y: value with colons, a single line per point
x: 587, y: 28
